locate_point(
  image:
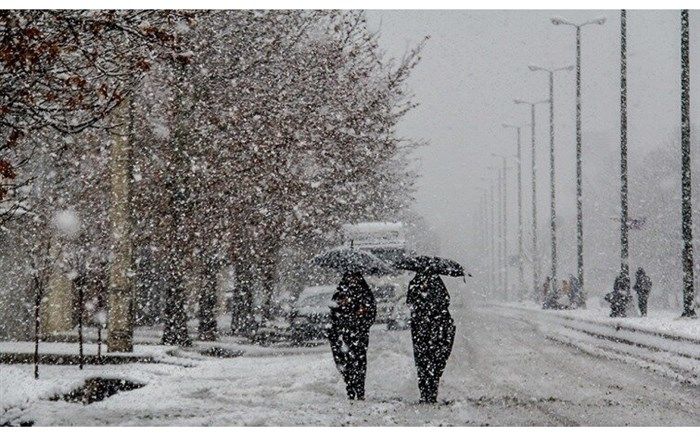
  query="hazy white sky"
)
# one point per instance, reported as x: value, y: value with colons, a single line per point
x: 475, y: 64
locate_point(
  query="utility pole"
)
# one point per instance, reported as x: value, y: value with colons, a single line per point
x: 484, y: 228
x: 504, y: 220
x: 492, y: 231
x: 579, y: 174
x: 624, y: 242
x: 498, y: 206
x: 502, y: 231
x: 535, y: 255
x: 686, y: 207
x: 505, y: 230
x: 521, y: 275
x: 552, y: 187
x: 482, y: 234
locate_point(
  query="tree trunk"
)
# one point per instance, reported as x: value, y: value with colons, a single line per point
x: 37, y: 323
x: 242, y: 321
x: 57, y: 310
x: 121, y: 290
x: 175, y: 331
x: 207, y: 303
x: 268, y: 284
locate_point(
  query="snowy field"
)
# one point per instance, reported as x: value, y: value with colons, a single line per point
x: 505, y: 370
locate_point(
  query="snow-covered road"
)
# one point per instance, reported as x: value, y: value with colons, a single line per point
x: 507, y: 360
x: 503, y: 371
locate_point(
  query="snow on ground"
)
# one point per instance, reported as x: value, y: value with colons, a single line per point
x: 27, y: 347
x: 662, y: 321
x: 504, y: 370
x: 291, y: 386
x: 664, y: 344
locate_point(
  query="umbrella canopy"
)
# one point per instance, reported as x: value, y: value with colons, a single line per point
x: 432, y: 264
x: 345, y: 259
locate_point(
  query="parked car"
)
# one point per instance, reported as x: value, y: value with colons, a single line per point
x: 310, y: 314
x: 399, y: 314
x: 384, y: 295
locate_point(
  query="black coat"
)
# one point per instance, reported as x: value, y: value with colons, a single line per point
x: 427, y: 297
x: 643, y: 284
x: 352, y: 314
x: 354, y: 303
x: 619, y: 297
x: 432, y: 331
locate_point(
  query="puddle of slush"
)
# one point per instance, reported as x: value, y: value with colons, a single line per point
x: 97, y: 389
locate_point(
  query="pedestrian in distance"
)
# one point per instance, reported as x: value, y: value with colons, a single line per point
x: 544, y: 292
x: 619, y: 297
x: 567, y: 294
x: 579, y: 300
x: 352, y: 314
x: 643, y: 287
x: 432, y: 330
x: 550, y: 296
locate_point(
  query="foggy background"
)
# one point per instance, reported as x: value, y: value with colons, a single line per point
x: 472, y: 68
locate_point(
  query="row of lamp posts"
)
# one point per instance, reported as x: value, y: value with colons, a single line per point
x: 499, y: 268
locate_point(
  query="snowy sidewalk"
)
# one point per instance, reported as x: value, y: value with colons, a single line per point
x: 662, y: 342
x: 265, y: 386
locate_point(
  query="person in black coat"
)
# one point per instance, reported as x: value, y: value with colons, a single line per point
x: 432, y: 331
x: 352, y: 314
x: 618, y: 297
x: 642, y: 286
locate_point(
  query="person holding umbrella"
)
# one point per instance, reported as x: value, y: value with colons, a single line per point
x: 352, y: 314
x: 432, y: 326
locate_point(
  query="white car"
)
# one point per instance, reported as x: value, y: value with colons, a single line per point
x: 310, y: 314
x: 400, y: 316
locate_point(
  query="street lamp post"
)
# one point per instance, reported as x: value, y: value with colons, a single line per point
x: 579, y: 191
x: 481, y: 231
x: 504, y: 221
x: 624, y: 240
x: 504, y: 268
x: 552, y: 191
x: 686, y: 207
x: 535, y: 256
x: 521, y: 276
x: 484, y: 231
x: 492, y: 234
x: 490, y: 231
x: 501, y: 228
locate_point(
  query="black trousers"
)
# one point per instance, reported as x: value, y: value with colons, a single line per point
x: 642, y: 297
x: 432, y: 345
x: 349, y: 347
x: 618, y: 306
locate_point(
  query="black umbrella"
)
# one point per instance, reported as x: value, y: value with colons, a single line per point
x: 345, y: 259
x: 432, y: 264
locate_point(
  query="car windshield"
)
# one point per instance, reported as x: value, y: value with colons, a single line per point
x: 316, y: 300
x: 385, y: 292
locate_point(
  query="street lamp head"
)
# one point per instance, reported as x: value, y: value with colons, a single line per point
x: 599, y: 21
x: 557, y: 21
x: 569, y: 67
x: 518, y: 101
x: 534, y: 68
